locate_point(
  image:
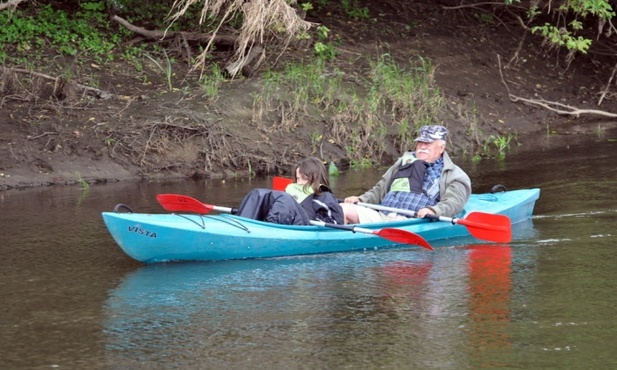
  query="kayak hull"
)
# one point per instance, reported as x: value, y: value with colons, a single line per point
x: 151, y: 238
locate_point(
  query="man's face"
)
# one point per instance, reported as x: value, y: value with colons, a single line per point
x: 430, y: 152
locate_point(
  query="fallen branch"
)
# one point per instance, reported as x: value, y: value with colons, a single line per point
x: 59, y: 81
x: 9, y: 4
x: 562, y: 108
x: 556, y: 107
x: 187, y: 36
x: 478, y: 5
x: 41, y: 135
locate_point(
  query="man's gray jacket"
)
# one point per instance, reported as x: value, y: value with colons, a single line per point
x: 454, y: 188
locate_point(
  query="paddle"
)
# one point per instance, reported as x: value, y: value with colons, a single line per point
x: 280, y: 183
x: 183, y: 203
x: 485, y: 226
x: 389, y: 233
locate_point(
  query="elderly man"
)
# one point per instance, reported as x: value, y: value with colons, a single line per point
x: 424, y: 181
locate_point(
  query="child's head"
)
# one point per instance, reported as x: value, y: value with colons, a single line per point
x: 311, y: 172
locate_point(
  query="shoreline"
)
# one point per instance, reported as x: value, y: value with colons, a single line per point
x: 105, y: 170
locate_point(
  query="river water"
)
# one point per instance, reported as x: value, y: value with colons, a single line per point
x: 71, y: 299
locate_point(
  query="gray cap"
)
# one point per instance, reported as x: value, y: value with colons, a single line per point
x: 428, y: 134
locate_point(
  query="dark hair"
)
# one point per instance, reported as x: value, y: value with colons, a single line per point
x: 315, y: 172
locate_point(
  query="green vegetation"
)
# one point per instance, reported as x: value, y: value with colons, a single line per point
x: 354, y: 10
x: 333, y: 170
x: 81, y: 29
x: 84, y: 184
x: 167, y: 69
x: 573, y: 24
x: 211, y: 82
x: 86, y: 32
x: 360, y: 117
x: 387, y: 105
x: 571, y: 16
x: 324, y: 51
x: 501, y: 144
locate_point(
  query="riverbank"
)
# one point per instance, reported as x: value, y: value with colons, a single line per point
x: 146, y: 132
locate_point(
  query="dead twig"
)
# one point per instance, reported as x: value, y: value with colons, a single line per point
x: 162, y: 35
x: 41, y: 135
x: 244, y: 61
x: 147, y: 146
x: 556, y: 107
x: 59, y: 82
x: 560, y: 108
x: 478, y: 5
x: 608, y: 85
x: 10, y: 4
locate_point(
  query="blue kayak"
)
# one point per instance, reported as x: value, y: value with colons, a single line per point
x: 151, y: 238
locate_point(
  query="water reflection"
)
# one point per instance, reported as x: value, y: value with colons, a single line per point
x: 490, y: 285
x: 279, y: 309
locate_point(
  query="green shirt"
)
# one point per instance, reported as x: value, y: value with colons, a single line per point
x: 402, y: 184
x: 298, y: 192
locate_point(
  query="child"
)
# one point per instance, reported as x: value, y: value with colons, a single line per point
x: 309, y: 198
x: 312, y: 191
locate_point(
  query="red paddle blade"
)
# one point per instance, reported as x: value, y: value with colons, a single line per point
x: 280, y: 183
x: 403, y: 236
x: 183, y: 203
x: 488, y: 226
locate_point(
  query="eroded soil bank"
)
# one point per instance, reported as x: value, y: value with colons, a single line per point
x: 145, y: 132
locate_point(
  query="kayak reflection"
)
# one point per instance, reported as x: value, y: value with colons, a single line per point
x: 163, y: 312
x: 473, y: 293
x: 392, y: 309
x: 490, y: 285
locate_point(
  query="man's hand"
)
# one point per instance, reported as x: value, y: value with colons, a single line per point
x: 352, y: 199
x: 422, y: 212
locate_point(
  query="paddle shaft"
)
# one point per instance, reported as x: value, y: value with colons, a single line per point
x: 352, y: 228
x: 404, y: 212
x: 177, y: 202
x: 391, y: 234
x: 432, y: 217
x: 486, y: 226
x: 225, y: 209
x: 191, y: 204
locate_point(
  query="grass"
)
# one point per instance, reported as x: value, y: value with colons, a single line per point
x: 211, y: 82
x: 359, y: 117
x: 386, y: 105
x: 85, y: 186
x: 500, y: 143
x: 167, y: 69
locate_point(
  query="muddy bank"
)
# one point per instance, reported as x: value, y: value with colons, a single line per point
x: 149, y: 133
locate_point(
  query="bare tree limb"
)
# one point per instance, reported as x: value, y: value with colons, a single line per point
x: 556, y: 107
x: 91, y: 91
x: 10, y: 4
x: 161, y: 35
x: 478, y: 5
x: 608, y: 85
x: 41, y: 135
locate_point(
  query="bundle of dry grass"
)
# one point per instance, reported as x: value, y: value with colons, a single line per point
x: 267, y: 25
